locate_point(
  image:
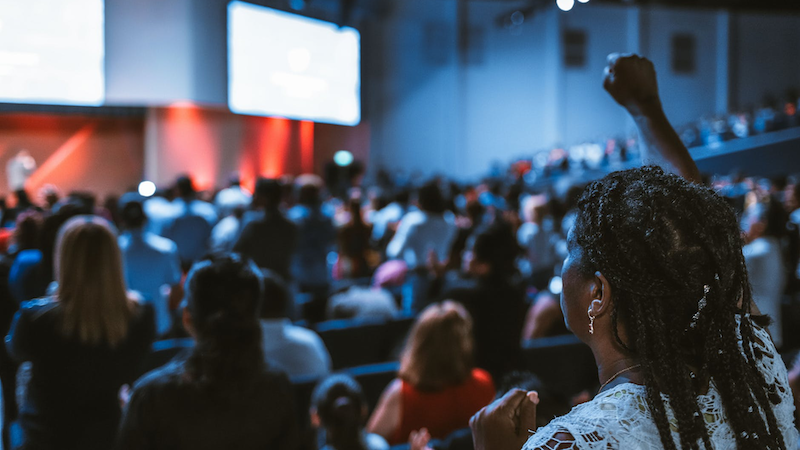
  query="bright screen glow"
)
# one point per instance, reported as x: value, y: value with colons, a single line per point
x: 52, y: 52
x: 282, y: 64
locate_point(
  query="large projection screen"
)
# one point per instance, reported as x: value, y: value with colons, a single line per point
x: 282, y: 64
x: 52, y: 52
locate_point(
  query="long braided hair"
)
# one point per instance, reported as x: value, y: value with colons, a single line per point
x: 672, y: 252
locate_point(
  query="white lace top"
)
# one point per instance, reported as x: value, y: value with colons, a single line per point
x: 619, y: 418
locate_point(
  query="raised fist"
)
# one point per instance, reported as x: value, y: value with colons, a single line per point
x: 631, y: 80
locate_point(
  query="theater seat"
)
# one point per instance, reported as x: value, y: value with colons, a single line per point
x: 563, y: 363
x: 163, y: 351
x: 357, y: 342
x: 373, y: 379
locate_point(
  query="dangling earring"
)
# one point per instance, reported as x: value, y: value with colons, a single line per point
x: 591, y: 322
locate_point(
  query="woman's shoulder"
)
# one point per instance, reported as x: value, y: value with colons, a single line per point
x: 38, y: 309
x: 615, y: 419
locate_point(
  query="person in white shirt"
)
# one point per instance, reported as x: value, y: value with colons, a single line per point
x: 297, y: 351
x: 420, y: 235
x: 19, y: 169
x: 423, y: 231
x: 538, y: 241
x: 231, y: 198
x: 390, y: 214
x: 152, y: 265
x: 764, y: 225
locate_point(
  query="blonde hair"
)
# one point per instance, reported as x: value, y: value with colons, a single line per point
x: 439, y: 350
x: 91, y: 284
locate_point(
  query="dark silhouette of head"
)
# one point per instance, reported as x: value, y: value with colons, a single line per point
x: 430, y: 198
x: 223, y: 297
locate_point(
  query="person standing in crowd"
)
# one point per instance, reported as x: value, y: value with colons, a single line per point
x: 191, y: 227
x: 310, y: 261
x: 385, y: 219
x: 438, y: 386
x: 538, y: 241
x: 419, y: 233
x: 221, y: 395
x: 355, y: 254
x: 494, y: 297
x: 338, y: 411
x: 764, y: 224
x: 294, y: 350
x: 152, y: 264
x: 656, y: 284
x: 19, y: 169
x: 232, y: 197
x: 84, y: 343
x: 269, y: 238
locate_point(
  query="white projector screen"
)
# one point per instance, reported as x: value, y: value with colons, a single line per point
x: 52, y: 52
x: 282, y: 64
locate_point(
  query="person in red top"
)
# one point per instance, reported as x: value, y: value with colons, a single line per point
x: 438, y: 387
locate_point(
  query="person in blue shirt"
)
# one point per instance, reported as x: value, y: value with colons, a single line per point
x: 309, y: 264
x: 152, y: 265
x: 191, y: 227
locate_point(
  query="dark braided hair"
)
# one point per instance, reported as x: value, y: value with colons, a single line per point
x: 660, y: 240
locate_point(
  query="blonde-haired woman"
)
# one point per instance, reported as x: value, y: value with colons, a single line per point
x: 438, y: 387
x: 84, y: 343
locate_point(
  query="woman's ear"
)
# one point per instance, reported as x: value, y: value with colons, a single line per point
x: 601, y: 295
x: 316, y: 422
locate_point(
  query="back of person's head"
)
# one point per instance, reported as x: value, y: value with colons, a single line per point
x: 402, y: 196
x: 91, y: 283
x: 496, y: 246
x: 28, y: 230
x: 430, y: 198
x: 439, y: 351
x: 340, y: 407
x: 534, y: 208
x: 308, y: 189
x: 223, y: 294
x: 185, y: 186
x: 276, y: 296
x: 267, y: 193
x: 131, y: 212
x: 671, y: 252
x: 234, y: 180
x: 475, y: 211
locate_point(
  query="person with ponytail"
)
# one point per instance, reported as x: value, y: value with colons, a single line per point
x: 84, y: 343
x: 221, y: 395
x: 656, y: 284
x: 339, y: 412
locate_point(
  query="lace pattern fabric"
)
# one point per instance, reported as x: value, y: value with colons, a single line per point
x: 620, y: 417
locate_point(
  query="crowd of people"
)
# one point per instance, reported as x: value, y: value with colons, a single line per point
x: 675, y: 274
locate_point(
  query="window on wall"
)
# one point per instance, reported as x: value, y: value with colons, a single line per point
x: 575, y: 48
x: 684, y: 53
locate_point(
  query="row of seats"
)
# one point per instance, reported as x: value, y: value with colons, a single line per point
x: 350, y: 342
